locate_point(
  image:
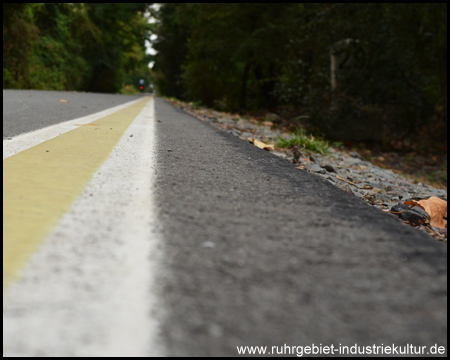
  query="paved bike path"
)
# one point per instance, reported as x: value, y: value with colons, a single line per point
x: 261, y: 253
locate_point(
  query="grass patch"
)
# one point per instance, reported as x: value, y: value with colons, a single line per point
x: 306, y: 142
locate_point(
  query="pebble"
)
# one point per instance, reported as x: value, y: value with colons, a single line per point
x: 328, y: 167
x: 415, y: 215
x: 209, y: 244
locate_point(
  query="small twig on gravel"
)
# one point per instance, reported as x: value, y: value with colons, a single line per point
x: 428, y: 227
x: 401, y: 212
x: 348, y: 182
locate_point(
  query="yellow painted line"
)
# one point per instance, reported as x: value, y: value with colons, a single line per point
x: 41, y: 183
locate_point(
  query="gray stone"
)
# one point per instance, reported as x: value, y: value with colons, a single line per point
x: 347, y: 188
x: 280, y: 154
x: 385, y: 198
x: 235, y: 132
x: 316, y: 169
x: 328, y: 168
x: 270, y: 134
x: 415, y: 215
x: 375, y: 185
x: 352, y: 161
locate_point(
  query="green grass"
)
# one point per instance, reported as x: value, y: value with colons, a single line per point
x: 306, y: 142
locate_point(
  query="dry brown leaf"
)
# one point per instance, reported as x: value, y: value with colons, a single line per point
x: 435, y: 207
x: 367, y: 187
x: 63, y: 101
x: 260, y: 144
x: 268, y: 123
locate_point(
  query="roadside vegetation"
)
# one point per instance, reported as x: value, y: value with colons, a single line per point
x: 306, y: 142
x: 275, y: 58
x: 95, y: 47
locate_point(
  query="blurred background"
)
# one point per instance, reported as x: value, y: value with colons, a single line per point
x: 371, y: 76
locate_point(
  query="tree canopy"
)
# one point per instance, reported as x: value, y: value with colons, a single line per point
x: 271, y: 55
x: 74, y: 46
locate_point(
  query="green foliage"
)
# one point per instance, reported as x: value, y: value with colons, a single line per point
x: 129, y: 90
x: 74, y: 46
x: 261, y: 55
x: 306, y: 142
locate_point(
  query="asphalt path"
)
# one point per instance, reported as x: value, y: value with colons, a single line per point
x: 261, y: 253
x: 253, y: 251
x: 28, y: 110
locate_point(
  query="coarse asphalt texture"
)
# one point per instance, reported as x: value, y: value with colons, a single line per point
x: 28, y: 110
x: 261, y: 253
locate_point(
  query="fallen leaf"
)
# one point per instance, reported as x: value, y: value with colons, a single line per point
x: 435, y: 207
x: 268, y: 123
x: 64, y: 101
x: 260, y: 144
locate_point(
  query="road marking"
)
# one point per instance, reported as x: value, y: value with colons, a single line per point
x: 90, y: 289
x: 41, y: 183
x: 25, y: 141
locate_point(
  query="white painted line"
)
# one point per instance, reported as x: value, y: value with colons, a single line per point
x: 25, y: 141
x: 91, y: 288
